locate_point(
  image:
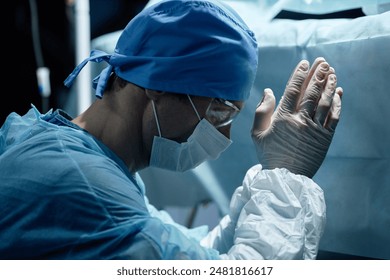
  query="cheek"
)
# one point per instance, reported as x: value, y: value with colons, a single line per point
x: 178, y: 124
x: 225, y: 130
x: 148, y: 130
x: 178, y: 129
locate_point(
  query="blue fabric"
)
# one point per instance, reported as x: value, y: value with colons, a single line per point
x: 197, y: 47
x: 64, y: 195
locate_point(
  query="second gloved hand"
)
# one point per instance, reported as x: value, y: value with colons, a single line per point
x: 297, y: 135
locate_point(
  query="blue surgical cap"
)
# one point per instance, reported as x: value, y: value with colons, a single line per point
x: 200, y: 47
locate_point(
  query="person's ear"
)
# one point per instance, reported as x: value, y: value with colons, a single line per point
x: 153, y: 94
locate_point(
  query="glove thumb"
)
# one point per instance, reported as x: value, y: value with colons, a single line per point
x: 264, y: 111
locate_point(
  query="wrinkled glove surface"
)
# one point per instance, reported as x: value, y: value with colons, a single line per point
x: 297, y: 135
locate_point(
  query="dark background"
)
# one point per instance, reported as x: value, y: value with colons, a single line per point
x: 18, y: 78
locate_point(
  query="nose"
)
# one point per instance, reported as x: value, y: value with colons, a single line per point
x: 225, y: 130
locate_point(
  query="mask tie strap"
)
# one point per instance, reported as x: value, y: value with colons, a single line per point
x: 100, y: 82
x: 193, y: 106
x: 155, y: 116
x: 95, y: 56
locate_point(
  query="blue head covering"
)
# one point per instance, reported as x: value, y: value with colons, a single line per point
x: 200, y: 47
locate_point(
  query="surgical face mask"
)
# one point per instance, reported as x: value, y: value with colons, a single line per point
x: 205, y: 143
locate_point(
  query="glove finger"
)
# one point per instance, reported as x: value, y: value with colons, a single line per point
x: 312, y: 70
x: 325, y: 102
x: 292, y: 94
x: 264, y: 111
x: 314, y: 89
x: 335, y: 110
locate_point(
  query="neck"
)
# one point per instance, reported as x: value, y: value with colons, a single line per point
x: 116, y: 120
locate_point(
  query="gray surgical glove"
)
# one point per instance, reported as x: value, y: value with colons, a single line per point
x: 297, y: 135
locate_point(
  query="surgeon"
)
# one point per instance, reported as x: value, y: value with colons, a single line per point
x: 180, y: 73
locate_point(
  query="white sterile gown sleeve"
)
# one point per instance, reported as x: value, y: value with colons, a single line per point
x: 275, y: 214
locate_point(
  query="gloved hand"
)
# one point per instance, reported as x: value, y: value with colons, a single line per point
x: 297, y: 135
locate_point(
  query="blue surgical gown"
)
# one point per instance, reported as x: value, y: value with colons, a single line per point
x: 65, y: 195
